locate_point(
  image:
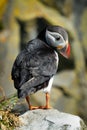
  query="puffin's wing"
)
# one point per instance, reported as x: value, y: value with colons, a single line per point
x: 20, y: 72
x: 18, y: 63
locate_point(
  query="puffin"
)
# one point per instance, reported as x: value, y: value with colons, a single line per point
x: 35, y: 66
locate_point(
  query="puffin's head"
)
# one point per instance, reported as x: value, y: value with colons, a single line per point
x: 57, y: 37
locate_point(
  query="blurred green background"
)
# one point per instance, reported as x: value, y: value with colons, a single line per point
x: 21, y: 21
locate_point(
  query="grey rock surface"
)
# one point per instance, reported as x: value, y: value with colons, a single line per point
x: 50, y: 120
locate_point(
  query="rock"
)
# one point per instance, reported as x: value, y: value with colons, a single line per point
x: 50, y: 120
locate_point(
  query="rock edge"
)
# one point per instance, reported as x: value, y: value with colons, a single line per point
x: 50, y: 120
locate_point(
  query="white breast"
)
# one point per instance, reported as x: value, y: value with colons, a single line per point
x: 48, y: 88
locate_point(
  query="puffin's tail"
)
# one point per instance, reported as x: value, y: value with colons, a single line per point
x: 32, y: 85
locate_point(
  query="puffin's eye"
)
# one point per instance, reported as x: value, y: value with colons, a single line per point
x: 57, y: 38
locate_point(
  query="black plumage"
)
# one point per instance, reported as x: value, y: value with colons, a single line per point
x: 34, y: 67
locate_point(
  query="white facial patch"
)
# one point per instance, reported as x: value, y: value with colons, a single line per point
x: 51, y: 39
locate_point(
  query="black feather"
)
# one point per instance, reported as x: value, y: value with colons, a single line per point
x: 37, y: 61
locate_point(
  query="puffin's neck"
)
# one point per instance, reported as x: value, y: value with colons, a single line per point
x: 41, y: 35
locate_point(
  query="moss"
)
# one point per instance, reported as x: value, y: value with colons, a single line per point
x: 8, y: 120
x: 8, y: 103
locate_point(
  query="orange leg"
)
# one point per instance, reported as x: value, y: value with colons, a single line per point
x: 30, y: 106
x: 47, y: 106
x: 47, y: 102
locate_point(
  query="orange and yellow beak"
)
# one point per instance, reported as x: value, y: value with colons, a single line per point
x: 65, y: 51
